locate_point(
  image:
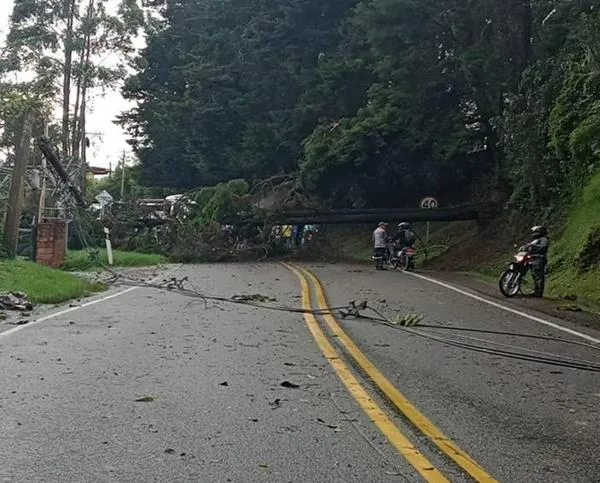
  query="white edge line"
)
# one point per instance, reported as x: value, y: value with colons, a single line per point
x: 73, y: 309
x: 507, y: 309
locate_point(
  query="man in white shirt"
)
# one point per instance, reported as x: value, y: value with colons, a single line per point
x: 380, y: 244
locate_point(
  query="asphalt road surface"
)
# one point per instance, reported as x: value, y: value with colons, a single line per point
x: 148, y: 385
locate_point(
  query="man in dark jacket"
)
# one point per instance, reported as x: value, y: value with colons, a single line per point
x: 404, y: 237
x: 538, y: 248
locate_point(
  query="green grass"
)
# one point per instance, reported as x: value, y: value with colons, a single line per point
x: 566, y: 278
x: 80, y: 261
x: 42, y: 284
x: 352, y: 244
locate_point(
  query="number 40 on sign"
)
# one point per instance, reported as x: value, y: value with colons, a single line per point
x: 429, y: 203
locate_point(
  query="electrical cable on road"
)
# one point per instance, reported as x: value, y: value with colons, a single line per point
x: 357, y: 311
x: 509, y: 351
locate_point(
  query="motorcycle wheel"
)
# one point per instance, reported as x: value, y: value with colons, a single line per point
x: 510, y: 283
x: 402, y: 263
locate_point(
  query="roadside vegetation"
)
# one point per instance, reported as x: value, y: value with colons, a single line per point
x: 80, y: 260
x: 43, y: 285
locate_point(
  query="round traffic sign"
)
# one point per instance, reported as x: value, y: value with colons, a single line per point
x: 429, y: 203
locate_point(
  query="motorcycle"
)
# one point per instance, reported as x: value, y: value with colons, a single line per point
x: 512, y: 278
x: 404, y: 258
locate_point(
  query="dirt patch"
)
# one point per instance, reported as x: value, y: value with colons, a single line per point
x: 472, y: 247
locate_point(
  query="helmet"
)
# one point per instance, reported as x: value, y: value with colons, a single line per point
x: 539, y: 230
x: 403, y: 225
x: 382, y: 223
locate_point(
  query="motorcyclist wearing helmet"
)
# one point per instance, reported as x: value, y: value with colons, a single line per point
x: 405, y: 236
x: 538, y: 248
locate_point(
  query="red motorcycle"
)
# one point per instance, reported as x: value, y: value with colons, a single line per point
x: 404, y: 258
x: 512, y: 278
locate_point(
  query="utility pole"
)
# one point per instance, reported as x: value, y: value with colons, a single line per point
x: 122, y: 175
x: 15, y: 200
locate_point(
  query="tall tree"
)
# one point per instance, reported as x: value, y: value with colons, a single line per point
x: 219, y: 87
x: 65, y: 43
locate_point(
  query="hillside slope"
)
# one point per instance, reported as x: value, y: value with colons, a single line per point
x: 574, y: 266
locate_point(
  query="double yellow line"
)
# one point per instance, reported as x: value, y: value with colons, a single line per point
x: 402, y: 444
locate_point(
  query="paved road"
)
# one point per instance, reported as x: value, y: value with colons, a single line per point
x: 153, y: 386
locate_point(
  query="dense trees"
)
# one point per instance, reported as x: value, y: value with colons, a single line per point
x: 372, y: 102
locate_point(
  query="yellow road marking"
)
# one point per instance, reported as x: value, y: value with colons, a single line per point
x: 370, y: 407
x: 451, y: 449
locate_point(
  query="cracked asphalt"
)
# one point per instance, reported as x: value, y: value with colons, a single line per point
x: 154, y: 386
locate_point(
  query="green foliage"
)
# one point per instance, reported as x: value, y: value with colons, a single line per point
x: 577, y: 245
x: 552, y: 123
x: 221, y: 202
x: 80, y: 260
x: 372, y: 102
x: 42, y: 284
x: 220, y: 88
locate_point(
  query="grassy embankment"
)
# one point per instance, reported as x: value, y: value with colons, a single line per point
x: 43, y: 285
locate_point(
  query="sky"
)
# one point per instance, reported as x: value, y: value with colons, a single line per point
x: 108, y: 141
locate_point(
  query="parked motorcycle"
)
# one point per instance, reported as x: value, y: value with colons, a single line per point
x: 404, y: 258
x: 512, y: 278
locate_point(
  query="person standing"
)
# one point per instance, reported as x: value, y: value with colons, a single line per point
x: 538, y: 248
x: 380, y: 245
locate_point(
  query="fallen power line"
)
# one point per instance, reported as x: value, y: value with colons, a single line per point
x: 409, y: 323
x: 360, y: 311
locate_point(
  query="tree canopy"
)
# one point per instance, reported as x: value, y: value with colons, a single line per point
x: 372, y: 102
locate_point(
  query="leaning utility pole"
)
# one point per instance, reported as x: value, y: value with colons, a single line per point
x: 15, y: 200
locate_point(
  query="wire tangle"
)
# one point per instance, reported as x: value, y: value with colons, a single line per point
x: 409, y: 323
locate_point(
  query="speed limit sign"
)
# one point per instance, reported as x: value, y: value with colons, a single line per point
x: 429, y: 203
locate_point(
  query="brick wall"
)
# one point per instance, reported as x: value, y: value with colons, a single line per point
x: 51, y: 236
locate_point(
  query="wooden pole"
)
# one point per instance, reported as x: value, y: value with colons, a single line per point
x: 15, y: 202
x: 122, y: 175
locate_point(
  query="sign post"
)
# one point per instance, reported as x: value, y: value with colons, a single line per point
x: 428, y: 203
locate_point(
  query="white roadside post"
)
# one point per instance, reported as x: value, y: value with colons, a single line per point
x: 108, y: 246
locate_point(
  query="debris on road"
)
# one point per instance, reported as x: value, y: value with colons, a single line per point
x: 19, y: 322
x: 254, y: 298
x: 224, y: 383
x: 15, y: 301
x: 407, y: 320
x: 289, y: 385
x: 275, y: 404
x: 569, y: 308
x: 145, y: 399
x: 325, y: 423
